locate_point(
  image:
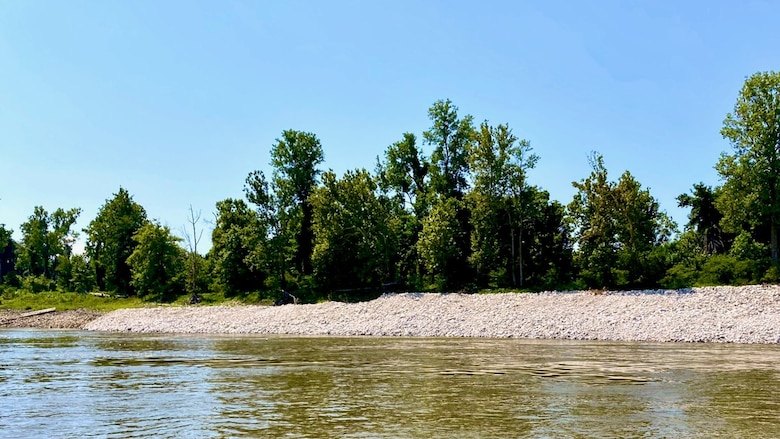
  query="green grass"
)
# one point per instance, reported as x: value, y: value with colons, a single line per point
x: 25, y: 300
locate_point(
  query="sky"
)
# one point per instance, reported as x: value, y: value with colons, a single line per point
x: 177, y: 101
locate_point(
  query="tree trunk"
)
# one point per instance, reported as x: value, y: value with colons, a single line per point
x: 512, y: 264
x: 773, y: 241
x: 520, y: 255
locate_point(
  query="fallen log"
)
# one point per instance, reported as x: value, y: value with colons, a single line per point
x: 39, y: 312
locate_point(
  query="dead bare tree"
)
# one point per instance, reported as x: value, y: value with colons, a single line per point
x: 193, y: 257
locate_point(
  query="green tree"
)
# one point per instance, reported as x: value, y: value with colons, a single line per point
x: 751, y: 191
x: 7, y: 253
x: 82, y: 275
x: 236, y: 242
x: 405, y: 171
x: 404, y: 175
x: 276, y: 219
x: 439, y: 244
x: 356, y: 233
x: 704, y: 219
x: 47, y: 242
x: 295, y: 158
x: 110, y: 241
x: 617, y: 225
x: 451, y: 138
x: 501, y: 201
x: 157, y: 263
x: 548, y: 253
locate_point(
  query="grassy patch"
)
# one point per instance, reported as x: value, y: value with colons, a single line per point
x: 20, y: 299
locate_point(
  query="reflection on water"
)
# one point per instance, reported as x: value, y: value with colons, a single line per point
x: 79, y: 384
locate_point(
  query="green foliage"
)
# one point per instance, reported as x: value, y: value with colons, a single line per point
x: 356, y: 233
x: 547, y: 247
x: 439, y: 243
x: 466, y: 215
x: 63, y: 301
x: 451, y: 138
x: 772, y: 275
x: 295, y: 158
x: 7, y: 254
x: 704, y: 219
x: 405, y: 172
x: 82, y: 275
x: 728, y: 270
x: 747, y: 248
x: 110, y: 242
x: 751, y: 192
x: 37, y: 284
x: 46, y: 242
x: 157, y: 263
x: 501, y: 203
x: 617, y: 225
x: 237, y: 241
x: 277, y: 219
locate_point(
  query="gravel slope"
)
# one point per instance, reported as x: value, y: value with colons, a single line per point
x: 749, y: 314
x: 72, y: 319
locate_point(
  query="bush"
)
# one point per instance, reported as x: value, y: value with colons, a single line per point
x: 682, y: 275
x: 772, y: 275
x: 37, y: 284
x: 728, y: 270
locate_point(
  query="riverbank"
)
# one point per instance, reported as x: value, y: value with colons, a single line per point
x: 749, y: 314
x: 70, y: 319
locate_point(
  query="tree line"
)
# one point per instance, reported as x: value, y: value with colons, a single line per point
x: 460, y: 218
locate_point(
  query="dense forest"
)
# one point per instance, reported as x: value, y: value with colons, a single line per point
x: 462, y: 217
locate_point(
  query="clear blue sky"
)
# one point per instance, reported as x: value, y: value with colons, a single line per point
x: 177, y: 101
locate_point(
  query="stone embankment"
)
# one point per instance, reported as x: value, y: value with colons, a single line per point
x: 749, y: 314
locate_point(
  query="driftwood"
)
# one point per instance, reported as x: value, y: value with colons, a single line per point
x: 8, y: 320
x: 286, y: 299
x: 39, y: 312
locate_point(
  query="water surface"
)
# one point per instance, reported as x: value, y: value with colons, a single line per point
x: 79, y: 384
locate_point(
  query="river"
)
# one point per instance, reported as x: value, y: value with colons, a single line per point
x: 64, y: 384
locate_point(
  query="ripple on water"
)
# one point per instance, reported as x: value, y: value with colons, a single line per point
x: 116, y: 386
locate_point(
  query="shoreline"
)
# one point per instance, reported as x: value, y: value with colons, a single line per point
x: 748, y: 314
x: 70, y: 319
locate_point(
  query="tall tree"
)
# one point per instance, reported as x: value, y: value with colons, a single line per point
x: 405, y: 171
x: 356, y: 232
x: 501, y: 199
x: 704, y: 219
x: 440, y: 246
x: 276, y: 220
x: 450, y: 137
x: 295, y: 158
x: 236, y: 241
x: 548, y: 250
x: 47, y: 241
x: 616, y: 227
x: 192, y: 237
x: 751, y: 191
x: 110, y: 241
x: 157, y: 263
x: 7, y: 253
